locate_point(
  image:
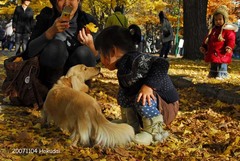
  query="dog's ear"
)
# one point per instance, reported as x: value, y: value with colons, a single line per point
x: 78, y: 84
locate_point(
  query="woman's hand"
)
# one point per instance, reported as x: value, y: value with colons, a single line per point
x: 146, y: 93
x: 59, y: 25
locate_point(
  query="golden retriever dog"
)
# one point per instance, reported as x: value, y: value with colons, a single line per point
x: 72, y: 109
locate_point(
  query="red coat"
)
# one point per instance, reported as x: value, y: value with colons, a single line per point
x: 216, y: 49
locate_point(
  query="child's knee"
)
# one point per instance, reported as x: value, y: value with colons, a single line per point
x: 147, y: 110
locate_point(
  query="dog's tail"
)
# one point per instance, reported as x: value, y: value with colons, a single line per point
x: 108, y: 134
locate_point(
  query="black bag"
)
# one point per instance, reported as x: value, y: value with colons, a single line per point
x: 22, y: 85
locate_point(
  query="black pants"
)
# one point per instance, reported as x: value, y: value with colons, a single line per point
x: 21, y: 39
x: 166, y: 46
x: 55, y: 60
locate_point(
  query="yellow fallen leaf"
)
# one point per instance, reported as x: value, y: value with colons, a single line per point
x: 229, y: 148
x: 213, y: 131
x: 37, y: 126
x: 92, y: 27
x: 187, y: 132
x: 219, y: 104
x: 93, y: 156
x: 44, y: 141
x: 18, y: 59
x: 1, y: 117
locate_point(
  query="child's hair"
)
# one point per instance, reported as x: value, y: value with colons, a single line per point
x: 123, y: 38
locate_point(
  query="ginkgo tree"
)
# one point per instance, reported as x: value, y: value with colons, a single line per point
x: 137, y: 11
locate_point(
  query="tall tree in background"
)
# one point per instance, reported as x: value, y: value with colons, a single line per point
x: 195, y: 27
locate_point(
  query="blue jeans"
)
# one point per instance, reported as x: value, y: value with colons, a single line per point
x: 222, y: 72
x: 218, y: 70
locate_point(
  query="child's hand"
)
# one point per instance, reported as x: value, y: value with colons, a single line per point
x: 228, y: 49
x: 85, y: 38
x: 202, y: 50
x: 146, y: 93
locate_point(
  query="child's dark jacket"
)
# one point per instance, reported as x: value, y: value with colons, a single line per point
x: 136, y: 69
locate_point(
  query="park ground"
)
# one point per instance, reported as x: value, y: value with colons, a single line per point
x: 206, y: 128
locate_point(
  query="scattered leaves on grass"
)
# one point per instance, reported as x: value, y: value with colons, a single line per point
x: 205, y: 128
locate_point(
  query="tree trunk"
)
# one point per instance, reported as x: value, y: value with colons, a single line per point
x: 195, y: 27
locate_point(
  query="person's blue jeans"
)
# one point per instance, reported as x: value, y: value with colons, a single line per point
x: 218, y: 70
x: 222, y: 72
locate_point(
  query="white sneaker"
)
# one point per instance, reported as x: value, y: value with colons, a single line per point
x: 219, y: 78
x: 143, y: 138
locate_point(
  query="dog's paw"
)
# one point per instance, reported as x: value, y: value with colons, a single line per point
x: 73, y: 146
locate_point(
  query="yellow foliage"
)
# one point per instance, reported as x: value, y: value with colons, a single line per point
x: 205, y: 128
x: 213, y: 4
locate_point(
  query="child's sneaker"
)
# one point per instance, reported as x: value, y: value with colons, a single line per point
x: 219, y: 78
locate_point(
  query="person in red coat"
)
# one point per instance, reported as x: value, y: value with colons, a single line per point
x: 218, y: 45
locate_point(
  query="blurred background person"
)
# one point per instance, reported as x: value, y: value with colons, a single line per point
x: 10, y: 36
x: 167, y: 35
x: 23, y: 24
x: 117, y: 18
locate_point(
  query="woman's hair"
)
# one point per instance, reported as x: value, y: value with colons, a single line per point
x: 161, y: 16
x: 54, y: 5
x: 123, y: 38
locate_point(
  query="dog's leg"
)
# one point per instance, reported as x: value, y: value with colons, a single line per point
x: 75, y: 138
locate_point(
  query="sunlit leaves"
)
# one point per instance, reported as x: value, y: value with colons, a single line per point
x: 213, y: 4
x: 205, y: 128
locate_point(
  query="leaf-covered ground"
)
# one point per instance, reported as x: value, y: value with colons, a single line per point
x: 205, y: 128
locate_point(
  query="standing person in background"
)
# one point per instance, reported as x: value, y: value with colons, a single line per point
x: 167, y: 35
x: 118, y: 18
x: 23, y: 24
x: 218, y: 45
x: 9, y: 35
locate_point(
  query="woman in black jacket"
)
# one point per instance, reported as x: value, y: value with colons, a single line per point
x: 61, y: 42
